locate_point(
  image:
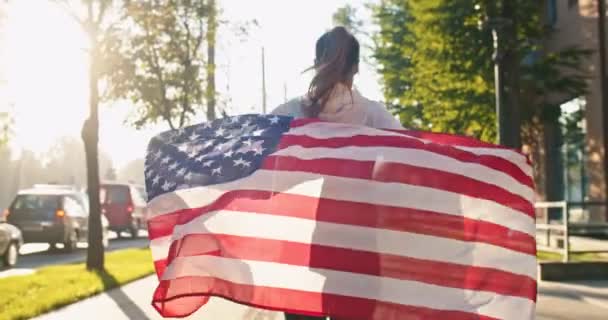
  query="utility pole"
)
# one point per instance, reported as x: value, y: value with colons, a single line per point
x: 506, y: 73
x: 601, y: 27
x: 263, y: 82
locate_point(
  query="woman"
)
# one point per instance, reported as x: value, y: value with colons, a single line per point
x: 331, y: 96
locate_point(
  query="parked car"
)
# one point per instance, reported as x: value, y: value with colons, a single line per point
x: 124, y: 205
x: 10, y: 242
x: 47, y: 214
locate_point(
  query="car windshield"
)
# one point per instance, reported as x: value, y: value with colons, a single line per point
x: 114, y: 194
x: 36, y: 202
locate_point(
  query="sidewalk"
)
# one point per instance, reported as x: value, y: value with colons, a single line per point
x: 572, y: 301
x: 133, y: 302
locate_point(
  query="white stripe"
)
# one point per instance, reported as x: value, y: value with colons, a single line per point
x: 381, y: 241
x: 404, y: 292
x: 347, y: 189
x: 414, y: 157
x: 320, y: 130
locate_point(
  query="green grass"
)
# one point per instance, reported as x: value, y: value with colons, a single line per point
x: 574, y: 257
x: 23, y: 297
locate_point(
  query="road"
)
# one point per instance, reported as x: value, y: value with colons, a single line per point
x: 34, y: 256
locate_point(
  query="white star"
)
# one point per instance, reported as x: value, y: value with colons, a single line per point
x: 208, y: 163
x: 274, y: 120
x: 188, y: 176
x: 157, y: 155
x: 207, y: 125
x: 181, y: 172
x: 239, y: 162
x: 217, y: 171
x: 165, y: 160
x: 223, y: 146
x: 173, y: 166
x: 192, y: 154
x: 200, y: 158
x: 156, y: 181
x: 208, y: 144
x: 258, y: 133
x: 248, y: 142
x: 167, y: 186
x: 228, y: 154
x: 220, y: 132
x: 257, y: 148
x: 194, y: 136
x: 183, y: 147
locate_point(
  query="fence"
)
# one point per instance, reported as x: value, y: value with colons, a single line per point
x: 562, y: 228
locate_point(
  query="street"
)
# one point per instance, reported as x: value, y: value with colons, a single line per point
x: 35, y: 255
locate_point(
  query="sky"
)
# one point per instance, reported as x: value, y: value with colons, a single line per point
x: 44, y: 66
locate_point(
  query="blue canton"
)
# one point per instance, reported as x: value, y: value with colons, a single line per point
x: 210, y: 153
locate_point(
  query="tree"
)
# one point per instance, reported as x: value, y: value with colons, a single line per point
x: 161, y: 58
x: 94, y: 18
x: 347, y: 17
x: 436, y: 62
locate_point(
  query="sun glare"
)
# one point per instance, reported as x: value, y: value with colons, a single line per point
x: 46, y: 73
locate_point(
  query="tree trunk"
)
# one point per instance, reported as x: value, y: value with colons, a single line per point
x: 90, y: 136
x: 211, y: 37
x: 511, y: 67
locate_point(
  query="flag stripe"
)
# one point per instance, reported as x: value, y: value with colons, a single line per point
x: 414, y: 158
x: 270, y: 274
x: 347, y: 189
x: 336, y: 235
x: 321, y: 130
x: 407, y: 143
x: 403, y: 174
x: 353, y: 213
x: 370, y: 263
x: 177, y: 298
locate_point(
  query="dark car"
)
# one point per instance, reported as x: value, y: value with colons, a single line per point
x: 10, y: 242
x: 52, y: 215
x: 124, y: 205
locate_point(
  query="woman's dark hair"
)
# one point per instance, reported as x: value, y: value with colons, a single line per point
x: 336, y: 59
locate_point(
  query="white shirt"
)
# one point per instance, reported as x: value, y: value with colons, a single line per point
x: 344, y: 106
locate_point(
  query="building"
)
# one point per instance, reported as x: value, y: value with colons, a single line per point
x: 576, y: 24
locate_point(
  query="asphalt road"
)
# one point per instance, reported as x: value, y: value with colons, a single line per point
x: 34, y: 256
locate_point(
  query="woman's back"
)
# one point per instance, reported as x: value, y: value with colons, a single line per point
x: 343, y: 106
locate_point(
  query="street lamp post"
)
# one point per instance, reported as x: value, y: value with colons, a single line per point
x: 506, y: 77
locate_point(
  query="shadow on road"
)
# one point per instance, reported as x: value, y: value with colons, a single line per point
x: 124, y: 302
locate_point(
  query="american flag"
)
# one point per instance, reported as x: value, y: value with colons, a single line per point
x: 340, y: 220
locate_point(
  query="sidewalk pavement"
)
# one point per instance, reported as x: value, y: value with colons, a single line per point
x: 133, y: 302
x: 561, y: 301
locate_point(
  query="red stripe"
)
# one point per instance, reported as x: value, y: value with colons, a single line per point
x: 353, y: 213
x: 405, y: 174
x: 489, y: 161
x: 370, y: 263
x: 442, y: 138
x: 182, y: 297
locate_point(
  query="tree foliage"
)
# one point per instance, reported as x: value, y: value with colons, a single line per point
x: 162, y: 60
x: 436, y: 62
